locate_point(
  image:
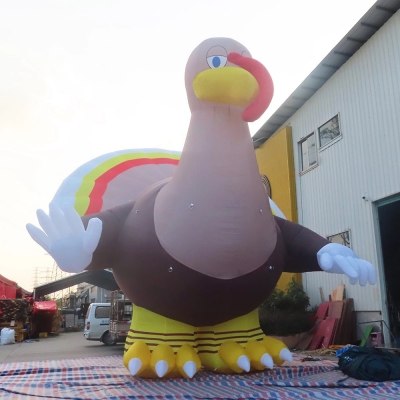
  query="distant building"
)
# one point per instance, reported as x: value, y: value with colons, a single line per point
x: 87, y: 293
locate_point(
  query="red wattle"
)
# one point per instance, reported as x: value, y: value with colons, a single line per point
x: 261, y: 103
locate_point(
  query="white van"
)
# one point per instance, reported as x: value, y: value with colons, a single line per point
x: 97, y: 323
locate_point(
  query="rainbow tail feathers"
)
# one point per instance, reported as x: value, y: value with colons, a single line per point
x: 115, y: 178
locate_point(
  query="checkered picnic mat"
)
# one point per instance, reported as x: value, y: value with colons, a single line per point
x: 106, y: 378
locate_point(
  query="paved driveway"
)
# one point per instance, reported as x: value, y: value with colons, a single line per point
x: 64, y: 346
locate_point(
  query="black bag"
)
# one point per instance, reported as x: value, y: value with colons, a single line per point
x: 370, y: 364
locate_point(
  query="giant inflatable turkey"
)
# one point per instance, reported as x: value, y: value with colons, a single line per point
x: 192, y: 239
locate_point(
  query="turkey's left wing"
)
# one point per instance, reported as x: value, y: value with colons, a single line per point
x: 302, y: 246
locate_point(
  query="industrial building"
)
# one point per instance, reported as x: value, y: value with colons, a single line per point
x: 331, y: 155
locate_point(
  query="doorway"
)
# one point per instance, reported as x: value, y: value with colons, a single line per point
x: 389, y: 226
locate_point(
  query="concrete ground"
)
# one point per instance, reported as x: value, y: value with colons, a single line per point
x: 65, y: 345
x: 74, y: 345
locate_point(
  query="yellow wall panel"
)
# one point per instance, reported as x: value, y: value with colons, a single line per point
x: 275, y: 160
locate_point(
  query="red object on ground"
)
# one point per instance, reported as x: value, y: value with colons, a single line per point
x: 48, y: 306
x: 334, y: 324
x: 322, y: 310
x: 323, y: 335
x: 8, y: 288
x: 335, y: 309
x: 330, y: 329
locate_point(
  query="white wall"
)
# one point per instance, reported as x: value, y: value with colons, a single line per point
x: 366, y: 161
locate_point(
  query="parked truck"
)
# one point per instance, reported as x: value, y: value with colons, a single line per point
x: 120, y: 317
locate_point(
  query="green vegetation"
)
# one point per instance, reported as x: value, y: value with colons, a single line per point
x: 285, y: 312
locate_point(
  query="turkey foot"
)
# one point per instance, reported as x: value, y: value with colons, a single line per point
x: 161, y: 362
x: 255, y: 355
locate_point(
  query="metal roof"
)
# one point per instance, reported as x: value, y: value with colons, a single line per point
x: 104, y: 279
x: 364, y: 29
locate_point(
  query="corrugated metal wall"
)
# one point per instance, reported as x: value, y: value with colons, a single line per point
x: 365, y: 162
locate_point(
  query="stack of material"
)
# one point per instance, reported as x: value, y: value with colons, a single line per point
x: 337, y: 294
x: 13, y: 315
x: 57, y: 320
x: 18, y: 327
x: 343, y: 311
x: 13, y: 309
x: 335, y: 324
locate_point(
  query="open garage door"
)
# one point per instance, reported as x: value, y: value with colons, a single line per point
x: 389, y: 226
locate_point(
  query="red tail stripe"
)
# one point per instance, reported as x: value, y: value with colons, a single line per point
x: 101, y: 183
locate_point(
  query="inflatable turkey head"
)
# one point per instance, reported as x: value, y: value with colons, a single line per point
x: 221, y: 73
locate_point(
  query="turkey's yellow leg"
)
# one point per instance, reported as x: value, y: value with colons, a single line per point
x: 160, y: 347
x: 237, y: 346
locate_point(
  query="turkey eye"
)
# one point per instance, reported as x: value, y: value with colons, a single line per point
x: 216, y: 61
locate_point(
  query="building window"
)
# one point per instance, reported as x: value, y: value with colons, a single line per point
x: 341, y: 238
x: 329, y: 131
x: 308, y: 152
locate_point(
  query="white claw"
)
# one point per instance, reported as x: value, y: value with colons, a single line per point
x: 267, y: 361
x: 244, y: 363
x: 190, y: 368
x: 161, y: 368
x: 286, y: 355
x: 134, y: 366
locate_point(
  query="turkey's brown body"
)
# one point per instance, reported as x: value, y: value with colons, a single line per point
x: 153, y: 279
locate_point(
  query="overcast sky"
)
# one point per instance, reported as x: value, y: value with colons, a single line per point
x: 82, y: 78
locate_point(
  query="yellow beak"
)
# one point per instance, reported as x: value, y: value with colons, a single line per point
x: 227, y: 85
